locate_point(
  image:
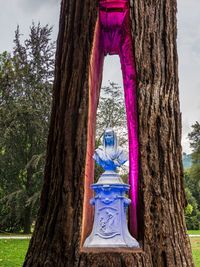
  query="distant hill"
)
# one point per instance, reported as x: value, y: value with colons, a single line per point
x: 187, y: 160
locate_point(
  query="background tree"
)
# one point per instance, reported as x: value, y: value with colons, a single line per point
x: 192, y: 181
x: 194, y: 138
x: 111, y: 112
x: 192, y: 213
x: 162, y: 231
x: 25, y: 101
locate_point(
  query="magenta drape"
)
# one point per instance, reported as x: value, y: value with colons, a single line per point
x: 116, y: 39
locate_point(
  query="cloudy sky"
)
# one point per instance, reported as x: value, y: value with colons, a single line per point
x: 23, y: 12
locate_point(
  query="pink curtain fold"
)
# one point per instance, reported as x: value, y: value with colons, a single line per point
x: 116, y: 39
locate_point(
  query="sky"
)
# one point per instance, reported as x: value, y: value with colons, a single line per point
x: 24, y: 12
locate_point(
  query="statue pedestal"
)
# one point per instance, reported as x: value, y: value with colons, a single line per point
x: 110, y: 224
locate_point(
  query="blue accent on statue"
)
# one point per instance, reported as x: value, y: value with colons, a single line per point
x: 110, y: 225
x: 110, y: 155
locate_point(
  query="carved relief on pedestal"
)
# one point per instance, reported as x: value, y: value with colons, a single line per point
x: 108, y: 222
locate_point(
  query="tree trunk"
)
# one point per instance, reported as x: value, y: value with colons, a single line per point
x: 57, y: 235
x: 162, y: 232
x: 27, y: 220
x: 103, y: 257
x: 162, y: 227
x: 28, y: 209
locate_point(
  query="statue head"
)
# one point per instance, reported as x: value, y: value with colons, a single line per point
x: 110, y: 156
x: 109, y: 138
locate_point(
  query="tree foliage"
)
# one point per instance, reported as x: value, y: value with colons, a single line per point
x: 192, y: 213
x: 26, y: 79
x: 111, y: 112
x: 192, y: 181
x: 194, y: 137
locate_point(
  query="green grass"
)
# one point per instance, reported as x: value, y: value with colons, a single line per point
x: 195, y: 243
x: 12, y: 252
x: 194, y: 232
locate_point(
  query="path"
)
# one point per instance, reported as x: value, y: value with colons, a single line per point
x: 15, y: 237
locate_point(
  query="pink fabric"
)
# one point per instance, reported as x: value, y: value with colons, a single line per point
x: 116, y: 37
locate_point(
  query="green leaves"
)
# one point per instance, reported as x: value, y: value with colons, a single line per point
x: 111, y: 112
x: 26, y: 80
x: 194, y: 137
x: 192, y: 181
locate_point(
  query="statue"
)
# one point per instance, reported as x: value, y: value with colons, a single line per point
x: 110, y: 155
x: 110, y: 222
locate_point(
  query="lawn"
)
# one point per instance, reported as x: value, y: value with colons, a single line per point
x: 194, y: 232
x: 13, y: 251
x: 195, y: 243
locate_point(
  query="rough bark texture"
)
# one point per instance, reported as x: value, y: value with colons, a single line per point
x: 162, y: 228
x: 56, y: 239
x: 113, y: 257
x: 162, y: 232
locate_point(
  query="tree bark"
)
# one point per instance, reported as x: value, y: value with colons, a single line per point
x: 28, y: 209
x: 162, y: 232
x: 126, y: 257
x: 57, y: 234
x: 27, y: 220
x: 162, y: 227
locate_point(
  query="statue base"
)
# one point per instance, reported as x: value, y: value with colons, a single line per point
x: 110, y: 177
x: 110, y: 225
